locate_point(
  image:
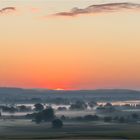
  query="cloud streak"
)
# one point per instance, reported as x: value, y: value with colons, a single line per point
x: 109, y: 7
x: 7, y: 10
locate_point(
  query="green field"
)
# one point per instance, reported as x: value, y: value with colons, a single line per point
x: 25, y: 129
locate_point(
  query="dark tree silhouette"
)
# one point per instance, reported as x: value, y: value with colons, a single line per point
x: 122, y: 119
x: 63, y: 117
x: 23, y: 108
x: 61, y: 108
x: 38, y: 118
x: 92, y: 104
x: 57, y: 123
x: 108, y: 104
x: 48, y: 114
x: 91, y: 117
x: 107, y: 119
x: 135, y: 116
x: 38, y: 107
x: 9, y: 109
x: 78, y: 105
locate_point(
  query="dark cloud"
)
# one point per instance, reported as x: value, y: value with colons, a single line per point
x: 109, y: 7
x: 7, y: 9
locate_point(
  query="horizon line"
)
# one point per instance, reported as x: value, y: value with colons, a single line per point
x: 24, y: 88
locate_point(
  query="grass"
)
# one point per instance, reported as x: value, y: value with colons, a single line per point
x: 25, y: 129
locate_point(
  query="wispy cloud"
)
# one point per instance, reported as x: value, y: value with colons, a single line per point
x: 109, y: 7
x: 7, y: 9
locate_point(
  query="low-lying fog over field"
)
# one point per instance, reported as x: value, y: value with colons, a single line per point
x: 94, y: 114
x: 63, y: 109
x: 81, y: 119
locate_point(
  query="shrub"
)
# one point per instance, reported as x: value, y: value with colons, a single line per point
x: 57, y: 123
x: 107, y: 119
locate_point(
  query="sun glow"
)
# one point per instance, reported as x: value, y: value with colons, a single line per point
x: 86, y: 51
x: 59, y: 89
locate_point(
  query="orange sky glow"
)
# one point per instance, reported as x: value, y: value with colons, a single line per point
x: 90, y: 51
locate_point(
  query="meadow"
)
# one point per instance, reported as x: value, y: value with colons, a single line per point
x: 25, y: 129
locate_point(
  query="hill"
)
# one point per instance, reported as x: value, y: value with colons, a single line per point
x: 19, y: 94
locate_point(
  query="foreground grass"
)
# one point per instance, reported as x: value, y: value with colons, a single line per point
x: 26, y: 130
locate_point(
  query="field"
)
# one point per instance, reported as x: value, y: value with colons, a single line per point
x: 25, y: 129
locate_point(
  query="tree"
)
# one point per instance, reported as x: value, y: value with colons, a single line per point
x: 61, y: 108
x: 106, y: 109
x: 122, y: 119
x: 38, y: 107
x: 78, y: 105
x: 108, y: 104
x: 38, y: 118
x: 135, y: 116
x: 23, y: 108
x: 48, y: 114
x: 9, y: 109
x: 116, y: 118
x: 107, y: 119
x: 57, y: 123
x: 44, y: 115
x: 91, y: 117
x: 63, y: 117
x: 91, y: 104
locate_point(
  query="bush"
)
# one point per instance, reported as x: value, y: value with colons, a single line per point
x: 23, y: 108
x: 107, y: 119
x: 63, y: 117
x: 92, y: 104
x: 61, y: 108
x: 121, y: 119
x: 38, y: 118
x: 135, y: 116
x: 91, y: 117
x: 57, y: 123
x: 116, y: 118
x: 78, y: 105
x: 38, y: 107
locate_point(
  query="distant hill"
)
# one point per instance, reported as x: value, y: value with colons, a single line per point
x: 19, y: 94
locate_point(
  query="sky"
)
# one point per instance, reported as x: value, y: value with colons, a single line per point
x: 45, y: 44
